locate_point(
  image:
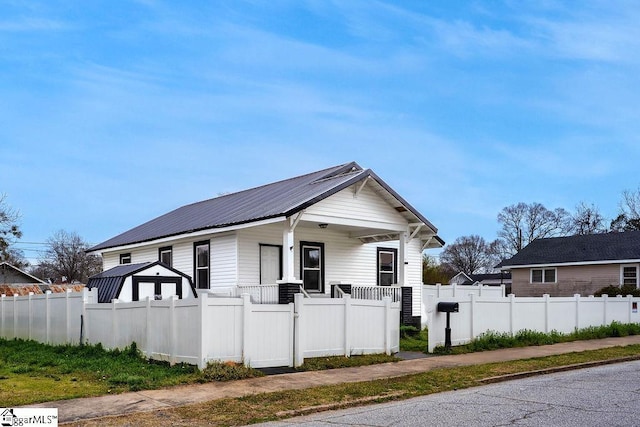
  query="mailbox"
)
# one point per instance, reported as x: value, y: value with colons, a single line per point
x: 448, y: 307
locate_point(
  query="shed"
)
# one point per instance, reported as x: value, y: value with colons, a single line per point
x: 135, y: 282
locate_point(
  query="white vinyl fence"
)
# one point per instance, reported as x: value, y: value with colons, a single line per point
x: 510, y: 314
x: 442, y: 291
x: 48, y: 318
x: 205, y: 329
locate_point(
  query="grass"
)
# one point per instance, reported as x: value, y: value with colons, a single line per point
x: 284, y: 404
x: 31, y: 372
x: 493, y: 340
x: 322, y: 363
x: 412, y: 339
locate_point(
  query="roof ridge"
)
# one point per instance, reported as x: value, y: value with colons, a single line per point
x: 268, y: 184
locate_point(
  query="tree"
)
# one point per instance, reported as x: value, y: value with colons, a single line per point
x: 587, y: 220
x: 523, y: 223
x: 15, y: 257
x: 9, y: 230
x: 469, y: 254
x: 628, y: 218
x: 66, y: 259
x: 433, y: 272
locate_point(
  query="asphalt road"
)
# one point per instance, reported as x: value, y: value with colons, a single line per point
x: 601, y: 396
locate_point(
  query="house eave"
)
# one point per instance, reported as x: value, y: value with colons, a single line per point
x: 571, y: 264
x: 187, y: 235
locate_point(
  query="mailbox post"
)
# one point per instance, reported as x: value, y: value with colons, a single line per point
x: 448, y: 307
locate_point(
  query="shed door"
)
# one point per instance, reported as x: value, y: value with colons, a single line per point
x: 150, y: 286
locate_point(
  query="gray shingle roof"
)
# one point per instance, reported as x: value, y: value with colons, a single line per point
x: 282, y: 198
x: 572, y: 249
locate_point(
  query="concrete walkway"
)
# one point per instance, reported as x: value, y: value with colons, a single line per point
x: 149, y: 400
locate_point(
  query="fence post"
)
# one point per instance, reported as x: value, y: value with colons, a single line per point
x: 298, y: 337
x: 502, y: 291
x: 172, y: 331
x: 47, y: 314
x: 246, y: 329
x: 387, y: 325
x: 30, y: 318
x: 546, y: 313
x: 68, y: 315
x: 204, y: 330
x: 472, y: 308
x: 630, y: 306
x: 438, y: 286
x: 147, y: 328
x: 512, y: 303
x: 114, y: 324
x: 605, y: 299
x: 577, y: 297
x: 453, y: 290
x: 347, y: 325
x: 2, y: 331
x: 479, y: 289
x: 15, y: 315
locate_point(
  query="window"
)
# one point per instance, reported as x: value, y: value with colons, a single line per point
x: 629, y: 275
x: 312, y: 260
x: 125, y: 258
x: 543, y: 275
x: 387, y: 266
x: 270, y: 264
x: 201, y: 264
x: 165, y: 255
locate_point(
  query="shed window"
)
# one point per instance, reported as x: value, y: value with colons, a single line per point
x: 165, y: 255
x: 543, y: 275
x: 125, y: 258
x: 201, y: 264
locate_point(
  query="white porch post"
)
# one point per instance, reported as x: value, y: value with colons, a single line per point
x: 287, y: 253
x: 290, y: 225
x: 402, y: 259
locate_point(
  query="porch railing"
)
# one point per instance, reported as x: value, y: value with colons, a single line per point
x: 373, y: 292
x: 260, y: 294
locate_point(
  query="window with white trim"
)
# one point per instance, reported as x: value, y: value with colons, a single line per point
x: 629, y: 274
x: 543, y: 275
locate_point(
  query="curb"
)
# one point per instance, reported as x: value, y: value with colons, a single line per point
x: 508, y: 377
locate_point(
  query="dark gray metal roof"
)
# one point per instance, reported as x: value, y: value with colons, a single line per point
x: 282, y: 198
x: 572, y: 249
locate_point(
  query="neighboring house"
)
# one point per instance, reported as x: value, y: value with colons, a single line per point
x: 564, y: 266
x: 135, y: 282
x: 341, y: 224
x: 14, y: 281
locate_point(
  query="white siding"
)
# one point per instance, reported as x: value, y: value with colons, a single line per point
x: 367, y: 206
x: 224, y: 261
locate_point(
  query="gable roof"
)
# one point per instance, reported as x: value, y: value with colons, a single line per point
x: 8, y: 271
x: 278, y: 199
x: 591, y: 248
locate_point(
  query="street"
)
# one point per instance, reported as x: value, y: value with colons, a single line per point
x: 601, y: 396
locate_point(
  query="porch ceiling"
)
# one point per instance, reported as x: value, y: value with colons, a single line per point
x: 364, y: 234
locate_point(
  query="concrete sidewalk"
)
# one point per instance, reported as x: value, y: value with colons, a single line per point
x: 149, y: 400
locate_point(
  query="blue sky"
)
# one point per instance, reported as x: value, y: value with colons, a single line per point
x: 114, y: 112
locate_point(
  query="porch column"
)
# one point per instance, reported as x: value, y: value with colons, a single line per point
x: 287, y: 254
x: 403, y: 262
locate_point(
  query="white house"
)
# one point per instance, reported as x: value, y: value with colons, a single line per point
x: 342, y: 224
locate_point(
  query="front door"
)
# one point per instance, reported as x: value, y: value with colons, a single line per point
x: 270, y: 264
x: 312, y: 266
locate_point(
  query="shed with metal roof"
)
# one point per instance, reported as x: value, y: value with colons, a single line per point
x: 135, y: 282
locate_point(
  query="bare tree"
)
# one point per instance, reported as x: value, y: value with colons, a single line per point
x: 66, y: 259
x: 469, y: 254
x: 587, y: 220
x: 9, y: 230
x: 523, y: 223
x: 628, y: 218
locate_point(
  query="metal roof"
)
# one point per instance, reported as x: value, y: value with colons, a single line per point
x: 578, y: 249
x: 282, y: 198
